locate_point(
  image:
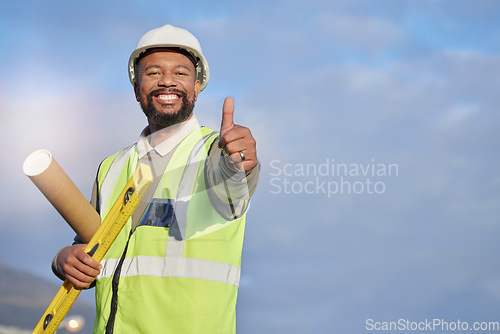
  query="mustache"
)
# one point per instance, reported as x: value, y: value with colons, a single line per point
x: 166, y: 91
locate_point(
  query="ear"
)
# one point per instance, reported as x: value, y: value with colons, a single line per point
x: 196, y: 89
x: 136, y: 91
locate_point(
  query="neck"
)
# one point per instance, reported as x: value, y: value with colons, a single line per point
x: 158, y: 134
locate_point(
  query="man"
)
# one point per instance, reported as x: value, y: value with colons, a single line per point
x: 175, y: 266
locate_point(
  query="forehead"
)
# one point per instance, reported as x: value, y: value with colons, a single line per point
x: 162, y: 56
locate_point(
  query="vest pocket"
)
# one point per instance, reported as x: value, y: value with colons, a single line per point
x: 160, y: 213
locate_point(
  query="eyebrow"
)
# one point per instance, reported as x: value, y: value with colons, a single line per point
x: 184, y: 66
x: 176, y: 66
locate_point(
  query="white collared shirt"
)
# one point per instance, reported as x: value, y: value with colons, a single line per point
x: 165, y: 147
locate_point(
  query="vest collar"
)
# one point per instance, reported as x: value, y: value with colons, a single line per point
x: 143, y: 146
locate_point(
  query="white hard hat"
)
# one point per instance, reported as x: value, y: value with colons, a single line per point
x: 170, y: 36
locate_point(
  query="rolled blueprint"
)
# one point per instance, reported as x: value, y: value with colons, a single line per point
x: 62, y: 193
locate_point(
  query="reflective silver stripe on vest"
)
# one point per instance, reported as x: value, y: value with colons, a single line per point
x: 113, y: 174
x: 174, y: 267
x: 177, y: 233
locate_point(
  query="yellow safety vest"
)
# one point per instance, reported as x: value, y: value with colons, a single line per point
x: 180, y: 278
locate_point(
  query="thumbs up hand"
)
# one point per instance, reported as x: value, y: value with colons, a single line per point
x: 236, y: 141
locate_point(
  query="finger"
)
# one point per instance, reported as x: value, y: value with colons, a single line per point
x: 80, y: 275
x: 242, y: 158
x: 89, y: 260
x: 227, y: 115
x: 240, y: 145
x: 88, y: 269
x: 236, y: 133
x: 80, y: 281
x: 83, y: 274
x: 238, y: 157
x: 72, y: 267
x: 82, y: 257
x: 242, y: 165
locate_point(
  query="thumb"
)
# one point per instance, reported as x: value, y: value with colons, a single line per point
x: 227, y: 115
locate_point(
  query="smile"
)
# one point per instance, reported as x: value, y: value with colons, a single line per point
x: 167, y: 98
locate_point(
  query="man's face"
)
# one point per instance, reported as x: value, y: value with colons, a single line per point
x: 166, y: 87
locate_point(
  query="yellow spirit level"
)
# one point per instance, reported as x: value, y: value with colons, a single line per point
x: 120, y: 212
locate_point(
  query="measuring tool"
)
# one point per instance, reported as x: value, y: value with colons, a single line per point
x: 120, y: 212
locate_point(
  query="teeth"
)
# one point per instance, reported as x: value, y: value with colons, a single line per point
x: 168, y: 97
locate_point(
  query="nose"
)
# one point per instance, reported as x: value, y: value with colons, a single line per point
x: 167, y: 80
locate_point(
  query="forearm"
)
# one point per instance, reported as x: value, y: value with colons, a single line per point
x: 229, y: 187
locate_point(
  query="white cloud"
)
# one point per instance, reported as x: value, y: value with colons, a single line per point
x: 364, y: 32
x: 458, y: 114
x: 79, y: 129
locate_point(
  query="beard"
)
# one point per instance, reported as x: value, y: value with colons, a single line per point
x: 167, y: 119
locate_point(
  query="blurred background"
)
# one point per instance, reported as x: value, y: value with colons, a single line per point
x: 377, y: 125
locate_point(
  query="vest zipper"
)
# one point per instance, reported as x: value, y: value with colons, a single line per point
x: 114, y: 284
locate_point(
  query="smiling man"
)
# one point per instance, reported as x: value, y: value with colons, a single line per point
x: 175, y: 266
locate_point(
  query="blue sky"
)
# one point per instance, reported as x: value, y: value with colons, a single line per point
x: 411, y: 83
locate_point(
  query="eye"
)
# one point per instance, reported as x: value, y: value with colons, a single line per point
x: 152, y: 73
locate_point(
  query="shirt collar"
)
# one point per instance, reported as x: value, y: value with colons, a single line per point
x: 143, y: 146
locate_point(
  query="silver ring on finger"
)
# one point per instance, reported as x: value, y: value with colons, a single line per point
x: 242, y: 155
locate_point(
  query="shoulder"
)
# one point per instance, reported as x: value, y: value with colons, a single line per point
x: 106, y: 164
